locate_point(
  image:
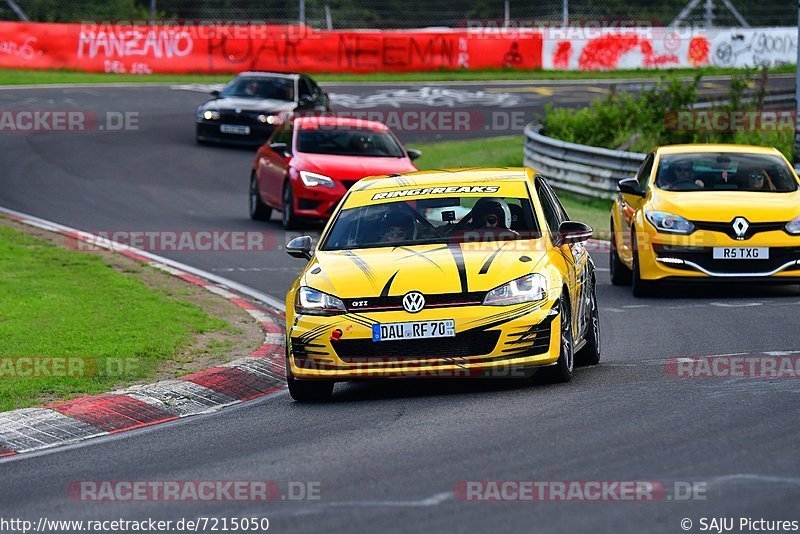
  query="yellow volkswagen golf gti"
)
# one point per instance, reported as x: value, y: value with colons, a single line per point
x: 474, y: 272
x: 707, y: 213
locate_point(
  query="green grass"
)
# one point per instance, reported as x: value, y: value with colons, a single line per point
x: 61, y: 303
x: 22, y: 77
x: 507, y: 152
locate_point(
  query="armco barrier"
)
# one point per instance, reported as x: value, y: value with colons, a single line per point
x: 586, y: 170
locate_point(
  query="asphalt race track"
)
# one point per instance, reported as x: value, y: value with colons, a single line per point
x: 387, y: 455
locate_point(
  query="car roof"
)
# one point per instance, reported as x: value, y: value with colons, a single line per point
x: 448, y: 177
x: 264, y: 74
x: 315, y: 122
x: 705, y: 147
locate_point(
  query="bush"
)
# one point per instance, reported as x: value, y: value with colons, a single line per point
x: 641, y: 122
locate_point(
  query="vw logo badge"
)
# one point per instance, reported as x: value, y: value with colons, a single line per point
x: 238, y: 110
x: 740, y: 226
x: 413, y: 302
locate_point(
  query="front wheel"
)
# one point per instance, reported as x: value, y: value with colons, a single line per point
x: 310, y: 390
x: 620, y: 274
x: 562, y: 370
x: 641, y: 287
x: 258, y: 210
x: 288, y: 217
x: 590, y: 353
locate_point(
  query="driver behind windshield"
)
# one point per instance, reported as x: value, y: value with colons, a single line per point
x: 398, y: 227
x: 680, y: 172
x: 251, y: 89
x: 492, y: 215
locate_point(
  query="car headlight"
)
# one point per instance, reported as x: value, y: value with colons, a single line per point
x: 211, y: 115
x: 312, y: 179
x: 267, y: 119
x: 669, y: 223
x: 309, y: 301
x: 793, y: 226
x: 530, y: 288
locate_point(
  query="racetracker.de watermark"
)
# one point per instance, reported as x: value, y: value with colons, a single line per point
x: 53, y: 120
x: 193, y: 491
x: 34, y: 367
x: 734, y: 366
x: 454, y: 120
x: 176, y: 240
x: 710, y: 121
x: 578, y: 491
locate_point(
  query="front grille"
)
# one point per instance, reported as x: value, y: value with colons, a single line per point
x: 306, y: 204
x: 727, y: 228
x: 469, y: 343
x: 441, y: 300
x: 704, y: 257
x: 245, y: 117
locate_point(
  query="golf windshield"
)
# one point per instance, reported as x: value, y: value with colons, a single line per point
x: 433, y: 220
x: 725, y: 172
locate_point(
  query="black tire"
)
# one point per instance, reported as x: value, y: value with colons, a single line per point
x: 562, y: 371
x: 307, y: 390
x: 258, y: 210
x: 288, y: 217
x: 590, y: 353
x: 620, y: 274
x: 310, y: 390
x: 641, y: 288
x: 197, y: 137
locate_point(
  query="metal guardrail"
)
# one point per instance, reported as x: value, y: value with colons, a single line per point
x: 586, y: 170
x: 594, y: 171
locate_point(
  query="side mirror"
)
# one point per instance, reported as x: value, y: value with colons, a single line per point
x: 631, y: 187
x: 214, y: 93
x: 300, y: 247
x: 306, y: 100
x: 570, y: 232
x: 413, y: 153
x: 280, y: 148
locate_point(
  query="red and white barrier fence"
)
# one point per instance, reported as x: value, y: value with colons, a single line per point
x: 187, y: 48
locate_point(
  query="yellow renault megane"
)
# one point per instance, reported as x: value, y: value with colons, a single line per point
x: 707, y: 212
x: 442, y: 274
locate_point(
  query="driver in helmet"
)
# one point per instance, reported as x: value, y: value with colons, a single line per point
x: 398, y: 227
x: 492, y: 215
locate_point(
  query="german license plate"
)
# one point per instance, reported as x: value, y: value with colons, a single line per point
x: 413, y: 330
x: 741, y: 253
x: 234, y: 129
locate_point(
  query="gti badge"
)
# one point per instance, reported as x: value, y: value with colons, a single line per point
x: 740, y: 226
x: 413, y: 302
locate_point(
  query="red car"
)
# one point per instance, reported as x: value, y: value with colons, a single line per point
x: 308, y: 165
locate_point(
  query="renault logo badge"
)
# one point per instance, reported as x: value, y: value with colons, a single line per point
x: 413, y: 302
x: 740, y: 226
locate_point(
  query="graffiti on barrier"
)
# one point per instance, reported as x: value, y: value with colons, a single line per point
x: 769, y: 48
x: 23, y: 50
x: 666, y: 47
